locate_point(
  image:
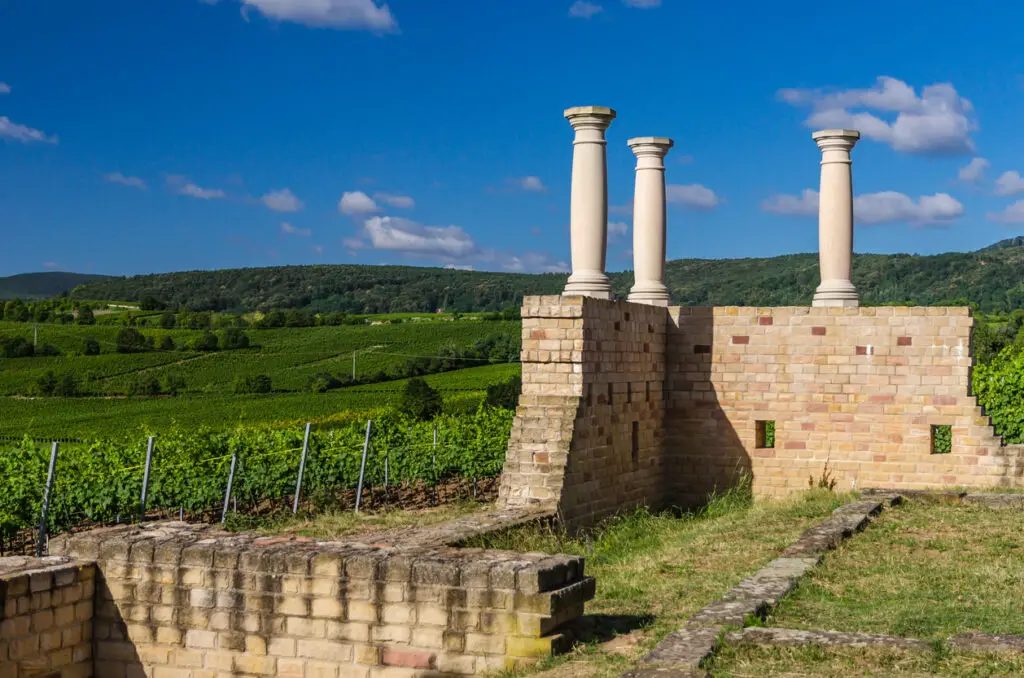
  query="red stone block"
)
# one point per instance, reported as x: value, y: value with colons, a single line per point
x: 740, y: 339
x: 904, y: 341
x: 862, y: 350
x: 818, y: 331
x: 410, y: 659
x: 765, y: 320
x: 796, y: 446
x: 944, y: 400
x: 538, y: 334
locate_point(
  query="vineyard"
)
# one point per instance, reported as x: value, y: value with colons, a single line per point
x: 101, y: 482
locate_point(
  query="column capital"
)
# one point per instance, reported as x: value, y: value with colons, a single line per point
x: 657, y: 147
x: 836, y: 139
x: 590, y: 117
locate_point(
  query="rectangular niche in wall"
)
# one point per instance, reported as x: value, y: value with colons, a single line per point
x: 765, y: 435
x: 942, y: 439
x: 636, y: 444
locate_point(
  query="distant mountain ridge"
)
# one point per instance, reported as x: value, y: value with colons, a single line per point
x: 992, y: 278
x: 42, y: 285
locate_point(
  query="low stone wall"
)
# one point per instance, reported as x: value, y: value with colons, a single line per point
x: 46, y: 623
x: 204, y: 602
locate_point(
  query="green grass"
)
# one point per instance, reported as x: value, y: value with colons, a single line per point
x: 667, y: 567
x: 338, y: 524
x: 925, y: 570
x: 89, y: 417
x: 746, y: 661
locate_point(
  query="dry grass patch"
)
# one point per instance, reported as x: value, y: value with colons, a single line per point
x: 924, y: 570
x: 745, y: 661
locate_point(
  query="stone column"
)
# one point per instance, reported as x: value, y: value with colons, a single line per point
x: 835, y: 218
x: 589, y: 208
x: 649, y: 221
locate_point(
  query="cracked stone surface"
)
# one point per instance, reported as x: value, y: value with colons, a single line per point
x: 828, y: 534
x: 987, y: 642
x: 728, y: 612
x: 771, y: 636
x: 768, y: 585
x: 996, y: 501
x: 875, y: 492
x: 685, y: 648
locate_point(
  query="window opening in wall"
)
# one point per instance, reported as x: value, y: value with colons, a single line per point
x: 629, y: 392
x: 610, y: 392
x: 636, y: 444
x: 647, y: 391
x: 765, y: 435
x: 942, y: 439
x: 590, y: 395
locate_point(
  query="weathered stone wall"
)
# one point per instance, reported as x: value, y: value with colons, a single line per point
x: 177, y: 601
x: 857, y: 388
x: 46, y: 627
x: 588, y: 432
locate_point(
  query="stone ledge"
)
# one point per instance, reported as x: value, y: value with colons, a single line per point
x: 797, y: 637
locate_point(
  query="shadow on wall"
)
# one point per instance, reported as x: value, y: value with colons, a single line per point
x: 704, y: 452
x: 114, y: 648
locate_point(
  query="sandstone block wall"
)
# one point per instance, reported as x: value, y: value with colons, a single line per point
x: 176, y: 601
x: 858, y: 388
x: 46, y: 623
x: 588, y: 432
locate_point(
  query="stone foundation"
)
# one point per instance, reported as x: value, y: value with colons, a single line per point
x: 46, y: 627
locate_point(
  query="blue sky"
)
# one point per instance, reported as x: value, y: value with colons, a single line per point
x: 181, y: 134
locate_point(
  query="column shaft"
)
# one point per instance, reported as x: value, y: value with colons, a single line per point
x: 835, y: 219
x: 649, y: 221
x: 589, y: 202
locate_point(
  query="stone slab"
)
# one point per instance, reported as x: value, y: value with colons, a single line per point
x: 799, y: 637
x: 987, y: 642
x: 684, y: 648
x: 995, y: 501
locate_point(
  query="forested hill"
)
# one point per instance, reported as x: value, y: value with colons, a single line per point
x: 993, y: 278
x: 41, y: 285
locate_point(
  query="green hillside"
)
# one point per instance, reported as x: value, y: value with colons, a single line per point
x: 42, y: 285
x: 993, y: 278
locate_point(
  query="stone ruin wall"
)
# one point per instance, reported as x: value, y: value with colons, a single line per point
x: 856, y: 388
x: 46, y: 623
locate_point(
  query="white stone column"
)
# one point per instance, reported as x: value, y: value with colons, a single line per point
x: 835, y: 218
x: 589, y: 208
x: 649, y: 221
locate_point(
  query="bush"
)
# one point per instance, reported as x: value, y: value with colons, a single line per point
x: 46, y: 384
x: 145, y: 385
x: 64, y: 386
x: 92, y: 347
x: 130, y: 340
x: 167, y: 344
x: 48, y: 351
x: 419, y: 401
x: 173, y: 384
x: 321, y: 382
x: 259, y: 383
x: 16, y: 348
x: 504, y: 395
x: 207, y: 341
x: 233, y: 338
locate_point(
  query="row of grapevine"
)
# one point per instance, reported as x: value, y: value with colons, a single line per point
x: 100, y: 482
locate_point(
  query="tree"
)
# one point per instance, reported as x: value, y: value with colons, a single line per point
x: 148, y: 303
x: 259, y: 383
x: 130, y: 340
x: 233, y: 338
x: 67, y: 386
x: 419, y: 401
x: 504, y: 395
x: 207, y: 341
x: 321, y: 382
x: 168, y: 321
x: 167, y: 344
x: 173, y: 384
x: 92, y: 347
x: 17, y: 311
x: 16, y: 348
x: 48, y: 351
x: 46, y: 384
x: 145, y: 385
x: 85, y: 316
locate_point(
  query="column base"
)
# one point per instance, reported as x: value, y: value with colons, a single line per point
x: 588, y: 284
x: 650, y: 293
x: 836, y: 294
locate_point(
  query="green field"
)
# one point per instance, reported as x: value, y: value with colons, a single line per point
x: 289, y: 356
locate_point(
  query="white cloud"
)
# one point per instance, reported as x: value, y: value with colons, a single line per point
x: 288, y: 229
x: 642, y: 4
x: 623, y: 210
x: 282, y: 201
x: 12, y: 130
x: 5, y: 88
x: 356, y: 202
x: 938, y: 121
x: 1009, y: 183
x: 876, y: 208
x: 405, y: 235
x: 185, y: 187
x: 1014, y: 214
x: 532, y: 184
x: 49, y: 264
x: 533, y: 262
x: 460, y: 267
x: 804, y: 205
x: 400, y: 201
x: 693, y: 196
x: 617, y: 228
x: 973, y: 170
x: 359, y: 15
x: 581, y: 9
x: 118, y: 178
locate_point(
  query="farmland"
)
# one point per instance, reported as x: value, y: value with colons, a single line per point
x: 290, y: 357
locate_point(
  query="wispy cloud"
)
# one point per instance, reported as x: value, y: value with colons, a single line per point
x: 355, y: 15
x: 642, y: 4
x: 133, y: 182
x: 876, y: 208
x: 973, y: 170
x: 288, y: 229
x: 182, y: 186
x: 531, y: 184
x: 1014, y: 214
x: 5, y: 88
x: 282, y: 201
x: 939, y: 121
x: 13, y: 131
x: 405, y: 235
x: 693, y: 196
x: 1009, y: 183
x: 616, y: 229
x: 581, y: 9
x: 394, y: 200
